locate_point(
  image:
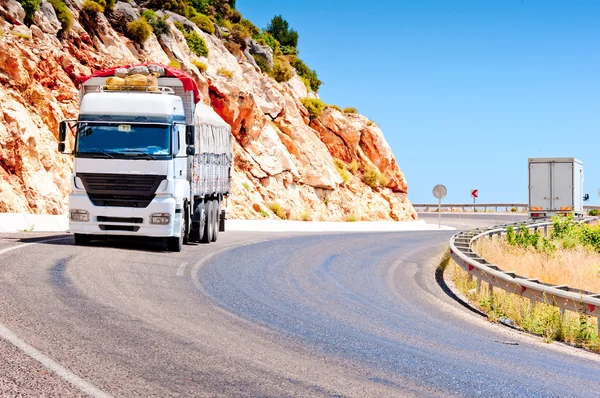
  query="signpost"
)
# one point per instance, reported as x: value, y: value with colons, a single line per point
x: 440, y: 191
x: 475, y: 194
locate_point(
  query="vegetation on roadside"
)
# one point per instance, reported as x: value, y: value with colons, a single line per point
x: 541, y: 319
x: 375, y: 179
x: 279, y: 210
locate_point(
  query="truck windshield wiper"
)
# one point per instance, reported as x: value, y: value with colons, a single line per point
x: 98, y: 154
x: 144, y: 156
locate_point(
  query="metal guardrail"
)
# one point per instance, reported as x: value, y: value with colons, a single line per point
x: 486, y: 206
x: 563, y: 296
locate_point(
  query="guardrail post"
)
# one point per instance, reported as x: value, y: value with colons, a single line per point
x: 491, y: 292
x: 478, y: 285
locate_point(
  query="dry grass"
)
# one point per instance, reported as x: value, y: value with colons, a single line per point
x: 538, y: 318
x: 225, y: 72
x: 578, y: 267
x: 279, y: 210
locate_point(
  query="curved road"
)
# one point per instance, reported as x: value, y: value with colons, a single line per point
x: 338, y: 315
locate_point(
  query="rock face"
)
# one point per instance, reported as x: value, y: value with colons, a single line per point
x: 282, y: 157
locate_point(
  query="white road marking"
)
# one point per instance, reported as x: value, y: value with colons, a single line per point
x: 181, y: 268
x: 32, y: 243
x: 50, y: 364
x: 44, y: 360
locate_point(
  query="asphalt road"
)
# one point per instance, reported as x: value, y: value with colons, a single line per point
x: 257, y: 315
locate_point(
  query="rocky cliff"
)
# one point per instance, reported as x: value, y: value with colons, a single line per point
x: 330, y: 166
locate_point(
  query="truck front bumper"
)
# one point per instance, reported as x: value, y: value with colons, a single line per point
x: 129, y: 221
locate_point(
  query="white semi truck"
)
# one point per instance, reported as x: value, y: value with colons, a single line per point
x: 148, y: 161
x: 555, y: 187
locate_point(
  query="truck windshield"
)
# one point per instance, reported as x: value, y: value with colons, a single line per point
x: 133, y: 141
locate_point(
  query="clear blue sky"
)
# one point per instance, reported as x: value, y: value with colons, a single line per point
x: 464, y: 91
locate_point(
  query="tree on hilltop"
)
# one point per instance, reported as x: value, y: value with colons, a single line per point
x: 279, y: 28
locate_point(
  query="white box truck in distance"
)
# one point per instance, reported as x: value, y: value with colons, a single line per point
x: 150, y: 160
x: 555, y: 187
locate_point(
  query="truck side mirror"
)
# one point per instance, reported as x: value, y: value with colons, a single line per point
x: 190, y: 135
x: 190, y: 150
x: 61, y: 147
x: 62, y: 131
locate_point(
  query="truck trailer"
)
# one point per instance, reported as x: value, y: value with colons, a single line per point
x: 150, y: 160
x: 555, y: 187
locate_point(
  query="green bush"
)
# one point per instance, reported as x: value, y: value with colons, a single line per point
x: 180, y: 27
x: 64, y: 15
x: 203, y: 6
x: 90, y: 7
x: 593, y: 212
x: 334, y: 107
x: 160, y: 26
x: 340, y: 166
x: 314, y: 106
x: 235, y: 16
x: 262, y: 63
x: 239, y: 34
x: 225, y: 72
x: 280, y: 30
x: 278, y: 210
x: 373, y: 178
x: 197, y: 44
x: 30, y: 7
x: 289, y: 50
x: 109, y: 5
x: 254, y: 31
x: 200, y: 65
x: 305, y: 72
x: 204, y: 23
x: 282, y: 70
x: 148, y: 14
x: 176, y: 6
x: 265, y: 38
x: 139, y: 30
x: 350, y: 110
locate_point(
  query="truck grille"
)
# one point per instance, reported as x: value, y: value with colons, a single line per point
x: 121, y: 190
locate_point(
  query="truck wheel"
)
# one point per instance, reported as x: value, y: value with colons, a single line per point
x: 82, y: 239
x: 198, y: 221
x: 217, y: 211
x: 209, y: 222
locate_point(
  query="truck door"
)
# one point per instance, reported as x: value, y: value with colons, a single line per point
x: 540, y: 186
x: 562, y: 186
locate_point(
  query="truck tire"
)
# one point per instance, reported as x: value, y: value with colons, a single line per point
x: 209, y: 223
x: 82, y: 239
x: 198, y: 221
x: 217, y: 211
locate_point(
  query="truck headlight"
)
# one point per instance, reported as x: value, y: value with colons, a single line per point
x: 79, y: 215
x: 160, y: 218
